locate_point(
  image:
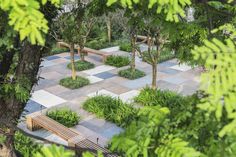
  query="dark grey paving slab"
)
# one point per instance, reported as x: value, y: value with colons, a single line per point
x: 32, y: 107
x: 109, y: 133
x: 176, y: 80
x: 76, y: 57
x: 52, y: 57
x: 45, y: 83
x: 105, y: 75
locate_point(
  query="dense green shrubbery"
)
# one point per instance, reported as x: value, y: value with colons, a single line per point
x: 82, y: 65
x: 65, y: 117
x: 117, y: 61
x: 129, y: 74
x: 164, y: 56
x: 74, y: 84
x: 126, y: 46
x: 112, y: 109
x: 100, y: 44
x: 25, y: 145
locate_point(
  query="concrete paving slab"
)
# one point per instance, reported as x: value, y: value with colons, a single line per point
x: 99, y: 69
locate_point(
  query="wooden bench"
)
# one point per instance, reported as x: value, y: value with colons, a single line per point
x: 37, y: 120
x: 86, y: 50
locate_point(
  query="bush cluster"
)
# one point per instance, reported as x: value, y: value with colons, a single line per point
x: 99, y: 44
x: 112, y: 109
x: 74, y: 84
x: 130, y: 74
x: 164, y: 56
x: 82, y: 65
x: 126, y: 46
x: 117, y: 61
x: 65, y: 117
x: 25, y: 145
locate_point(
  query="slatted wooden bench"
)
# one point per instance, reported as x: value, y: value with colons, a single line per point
x: 38, y: 120
x: 86, y: 50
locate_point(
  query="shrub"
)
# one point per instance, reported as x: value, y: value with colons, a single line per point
x: 112, y: 109
x: 164, y: 56
x: 25, y: 145
x: 82, y: 65
x: 65, y: 117
x: 126, y: 46
x: 129, y: 74
x: 117, y: 61
x: 74, y: 84
x: 100, y: 44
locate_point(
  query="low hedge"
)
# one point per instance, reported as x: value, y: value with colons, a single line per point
x: 117, y: 61
x: 130, y: 74
x: 82, y: 65
x: 126, y: 46
x: 74, y: 84
x: 164, y: 56
x: 112, y: 109
x: 65, y: 117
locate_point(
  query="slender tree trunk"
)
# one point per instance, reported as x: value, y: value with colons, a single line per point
x: 109, y: 28
x: 132, y: 64
x: 154, y: 75
x: 72, y: 59
x: 81, y: 53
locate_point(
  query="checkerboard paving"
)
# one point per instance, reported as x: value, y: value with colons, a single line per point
x: 99, y: 69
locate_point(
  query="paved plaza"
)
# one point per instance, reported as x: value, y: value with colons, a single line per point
x: 48, y: 94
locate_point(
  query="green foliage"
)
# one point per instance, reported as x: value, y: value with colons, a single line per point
x: 126, y: 46
x: 98, y: 43
x: 112, y: 109
x: 217, y: 82
x: 25, y: 17
x: 164, y: 56
x: 74, y: 84
x: 131, y: 74
x: 117, y: 61
x: 64, y: 116
x: 25, y: 145
x: 82, y: 65
x: 171, y: 8
x: 54, y: 151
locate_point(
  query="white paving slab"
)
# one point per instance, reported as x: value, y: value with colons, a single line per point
x: 46, y: 99
x: 128, y: 96
x: 57, y: 139
x: 99, y: 69
x: 94, y: 79
x: 103, y: 92
x: 47, y: 63
x: 111, y: 49
x: 181, y: 67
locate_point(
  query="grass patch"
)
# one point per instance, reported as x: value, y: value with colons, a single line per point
x: 117, y: 61
x: 65, y: 117
x: 82, y: 65
x: 112, y: 109
x: 126, y: 46
x: 74, y: 84
x: 132, y: 75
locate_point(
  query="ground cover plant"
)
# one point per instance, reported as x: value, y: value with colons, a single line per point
x: 64, y: 116
x: 82, y: 65
x: 74, y: 84
x: 126, y: 46
x: 131, y: 74
x: 164, y: 56
x: 117, y: 61
x: 112, y: 109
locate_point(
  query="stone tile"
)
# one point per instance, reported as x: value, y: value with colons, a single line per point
x: 167, y: 64
x: 128, y: 96
x: 60, y: 60
x: 57, y: 139
x: 47, y: 63
x: 163, y: 85
x: 99, y: 69
x: 96, y: 58
x: 44, y: 83
x: 111, y: 49
x: 57, y: 89
x: 117, y: 89
x: 181, y: 67
x: 102, y: 92
x: 50, y: 58
x: 76, y: 57
x: 51, y: 75
x: 46, y: 99
x: 175, y: 80
x: 188, y: 89
x: 98, y: 139
x: 32, y: 107
x: 138, y: 83
x: 169, y: 71
x: 105, y: 75
x: 65, y: 54
x: 112, y: 131
x: 94, y: 79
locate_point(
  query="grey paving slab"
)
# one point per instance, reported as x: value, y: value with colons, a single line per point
x: 52, y: 75
x: 105, y: 75
x: 32, y: 107
x: 109, y: 133
x: 169, y: 71
x: 167, y: 64
x: 161, y: 84
x: 138, y: 83
x: 52, y: 57
x: 96, y: 58
x: 47, y: 63
x: 57, y: 89
x: 176, y: 80
x: 44, y: 83
x: 76, y: 57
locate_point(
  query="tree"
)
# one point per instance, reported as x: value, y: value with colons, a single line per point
x: 20, y: 61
